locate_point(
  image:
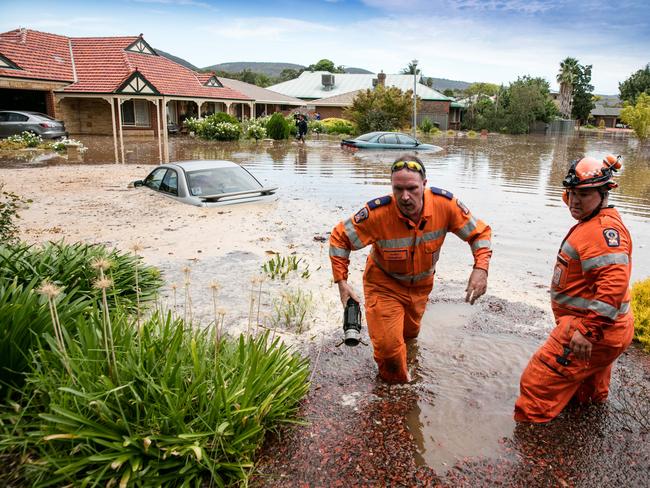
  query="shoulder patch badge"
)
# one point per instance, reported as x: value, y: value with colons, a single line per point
x: 441, y: 192
x: 462, y: 207
x: 612, y: 237
x: 361, y: 215
x: 378, y: 202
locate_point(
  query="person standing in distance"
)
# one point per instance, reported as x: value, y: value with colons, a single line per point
x: 406, y: 231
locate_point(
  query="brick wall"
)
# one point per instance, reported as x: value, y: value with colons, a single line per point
x: 327, y: 112
x: 92, y: 116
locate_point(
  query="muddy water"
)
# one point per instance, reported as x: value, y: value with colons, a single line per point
x: 471, y: 380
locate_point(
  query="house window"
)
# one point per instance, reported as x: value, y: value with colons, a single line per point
x: 135, y: 113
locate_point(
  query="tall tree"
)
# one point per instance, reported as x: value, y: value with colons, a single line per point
x: 326, y: 65
x: 384, y: 108
x: 583, y: 97
x: 411, y: 69
x: 636, y: 84
x: 638, y: 116
x: 566, y: 77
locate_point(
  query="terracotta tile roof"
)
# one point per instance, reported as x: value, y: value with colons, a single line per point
x: 101, y: 65
x: 39, y: 55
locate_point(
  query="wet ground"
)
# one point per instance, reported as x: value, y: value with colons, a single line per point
x: 453, y: 425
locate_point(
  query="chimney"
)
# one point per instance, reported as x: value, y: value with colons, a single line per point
x: 381, y: 78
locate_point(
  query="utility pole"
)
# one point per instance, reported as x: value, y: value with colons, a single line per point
x: 415, y: 98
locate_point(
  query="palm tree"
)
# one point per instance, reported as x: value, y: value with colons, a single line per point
x: 566, y: 77
x: 411, y: 69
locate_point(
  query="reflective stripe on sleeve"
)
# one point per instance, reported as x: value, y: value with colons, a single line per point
x: 604, y: 260
x: 476, y: 245
x: 597, y: 306
x: 569, y: 250
x: 351, y: 232
x: 339, y: 252
x: 465, y: 231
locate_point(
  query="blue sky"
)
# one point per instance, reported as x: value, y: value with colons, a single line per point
x: 469, y: 40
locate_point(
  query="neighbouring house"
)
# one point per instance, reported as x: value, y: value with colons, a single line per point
x: 330, y: 93
x: 602, y: 114
x: 267, y: 101
x: 108, y: 85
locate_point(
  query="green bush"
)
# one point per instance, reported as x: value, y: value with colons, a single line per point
x: 72, y: 266
x: 25, y: 318
x: 255, y: 129
x: 641, y: 309
x: 27, y: 139
x: 334, y: 125
x: 188, y: 409
x: 426, y: 126
x: 218, y: 127
x: 316, y: 126
x: 9, y: 205
x: 24, y: 313
x: 277, y: 127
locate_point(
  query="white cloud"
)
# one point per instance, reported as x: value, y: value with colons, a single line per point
x: 183, y: 3
x: 265, y: 29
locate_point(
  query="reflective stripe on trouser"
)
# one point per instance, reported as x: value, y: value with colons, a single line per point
x: 546, y: 387
x: 393, y: 313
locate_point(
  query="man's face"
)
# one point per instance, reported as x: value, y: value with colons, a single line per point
x: 583, y: 202
x: 408, y: 188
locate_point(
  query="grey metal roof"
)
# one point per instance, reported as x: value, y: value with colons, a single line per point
x: 602, y: 111
x: 340, y: 100
x: 259, y: 94
x: 309, y: 86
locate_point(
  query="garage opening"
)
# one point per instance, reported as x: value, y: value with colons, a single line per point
x: 31, y: 100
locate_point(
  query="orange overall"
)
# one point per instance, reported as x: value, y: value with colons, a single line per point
x: 589, y: 293
x: 399, y: 271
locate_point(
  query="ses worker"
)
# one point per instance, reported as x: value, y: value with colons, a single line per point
x: 406, y: 231
x: 590, y: 297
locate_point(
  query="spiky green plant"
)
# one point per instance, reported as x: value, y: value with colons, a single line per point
x: 189, y: 408
x: 71, y: 265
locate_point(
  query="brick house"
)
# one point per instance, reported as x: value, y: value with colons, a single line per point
x: 107, y: 85
x: 330, y: 93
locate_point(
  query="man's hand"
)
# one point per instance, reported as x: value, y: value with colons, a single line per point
x: 476, y: 285
x: 580, y: 346
x: 346, y: 291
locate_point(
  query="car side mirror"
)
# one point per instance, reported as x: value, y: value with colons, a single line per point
x: 138, y: 183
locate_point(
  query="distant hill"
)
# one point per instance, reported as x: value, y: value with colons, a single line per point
x: 269, y: 69
x: 176, y: 59
x: 442, y: 84
x: 358, y: 71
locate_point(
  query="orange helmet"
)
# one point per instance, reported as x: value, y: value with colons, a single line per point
x: 590, y: 173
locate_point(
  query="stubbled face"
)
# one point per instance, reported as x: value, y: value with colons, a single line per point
x: 408, y: 189
x: 583, y: 201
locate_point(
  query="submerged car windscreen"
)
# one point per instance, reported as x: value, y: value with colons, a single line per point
x: 220, y: 180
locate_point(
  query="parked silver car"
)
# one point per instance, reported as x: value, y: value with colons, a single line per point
x: 14, y: 122
x: 207, y: 183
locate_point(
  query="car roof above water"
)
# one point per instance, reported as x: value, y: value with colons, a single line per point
x: 202, y: 165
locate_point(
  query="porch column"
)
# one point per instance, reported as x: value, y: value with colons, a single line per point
x: 251, y: 105
x: 165, y: 136
x: 160, y: 127
x: 119, y: 118
x: 228, y: 107
x: 111, y: 100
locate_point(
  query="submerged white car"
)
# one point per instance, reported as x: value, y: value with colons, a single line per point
x: 207, y: 183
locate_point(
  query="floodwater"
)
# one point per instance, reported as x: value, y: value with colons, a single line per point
x: 466, y: 366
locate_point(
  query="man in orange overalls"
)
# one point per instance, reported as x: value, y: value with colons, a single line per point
x: 590, y: 298
x: 406, y: 230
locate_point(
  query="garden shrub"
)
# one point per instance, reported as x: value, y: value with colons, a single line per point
x: 641, y: 309
x: 426, y: 125
x: 221, y: 117
x: 178, y: 408
x: 277, y: 127
x: 316, y: 126
x: 219, y: 127
x: 9, y: 205
x: 25, y: 314
x: 335, y: 125
x: 254, y: 129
